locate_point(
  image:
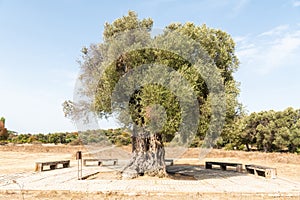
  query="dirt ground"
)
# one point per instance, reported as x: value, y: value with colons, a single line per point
x: 16, y: 159
x: 287, y: 164
x: 23, y: 158
x: 66, y: 195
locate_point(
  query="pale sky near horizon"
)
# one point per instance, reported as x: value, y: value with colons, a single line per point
x: 40, y: 42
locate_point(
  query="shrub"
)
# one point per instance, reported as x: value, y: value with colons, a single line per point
x: 2, y: 119
x: 3, y: 134
x: 75, y: 142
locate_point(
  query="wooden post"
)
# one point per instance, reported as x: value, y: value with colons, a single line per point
x: 79, y: 164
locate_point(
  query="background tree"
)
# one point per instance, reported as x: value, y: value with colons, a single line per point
x: 3, y: 131
x: 3, y: 134
x: 269, y: 131
x: 98, y: 84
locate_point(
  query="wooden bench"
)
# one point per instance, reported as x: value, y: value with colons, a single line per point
x: 258, y: 170
x: 169, y: 161
x: 223, y: 165
x: 99, y: 161
x: 39, y: 166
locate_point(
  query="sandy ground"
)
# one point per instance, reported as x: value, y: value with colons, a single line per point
x: 19, y: 181
x: 287, y: 164
x: 22, y: 158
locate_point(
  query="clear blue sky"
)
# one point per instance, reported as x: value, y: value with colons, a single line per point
x: 40, y: 42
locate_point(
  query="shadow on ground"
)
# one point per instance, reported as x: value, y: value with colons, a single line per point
x: 198, y: 172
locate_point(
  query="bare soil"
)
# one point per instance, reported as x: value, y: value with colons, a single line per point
x: 287, y: 164
x: 21, y: 158
x: 67, y: 195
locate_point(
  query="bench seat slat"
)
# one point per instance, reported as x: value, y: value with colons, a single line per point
x: 39, y: 166
x: 100, y: 161
x: 259, y: 170
x: 223, y: 165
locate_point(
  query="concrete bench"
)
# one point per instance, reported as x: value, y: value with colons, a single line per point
x: 169, y: 161
x: 223, y: 165
x: 39, y: 166
x: 264, y: 171
x: 99, y: 161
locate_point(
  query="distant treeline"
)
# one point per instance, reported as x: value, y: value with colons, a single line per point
x: 63, y: 137
x: 266, y: 131
x: 114, y: 136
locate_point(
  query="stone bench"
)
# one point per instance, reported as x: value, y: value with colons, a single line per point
x: 264, y: 171
x: 39, y: 166
x: 99, y: 161
x: 223, y: 165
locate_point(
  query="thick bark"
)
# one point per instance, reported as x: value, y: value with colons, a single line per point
x: 148, y: 155
x: 247, y: 146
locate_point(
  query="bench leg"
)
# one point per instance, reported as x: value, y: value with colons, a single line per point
x: 52, y: 167
x: 208, y: 165
x: 270, y: 173
x: 267, y: 173
x: 250, y: 171
x: 273, y: 173
x: 255, y: 172
x: 66, y: 165
x: 38, y: 167
x: 99, y: 163
x: 223, y: 167
x: 239, y: 168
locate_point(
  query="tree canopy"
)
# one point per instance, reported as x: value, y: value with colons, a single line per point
x: 99, y: 83
x: 269, y: 131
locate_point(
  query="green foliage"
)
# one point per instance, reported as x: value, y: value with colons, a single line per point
x: 92, y: 136
x: 269, y: 131
x: 71, y: 137
x: 41, y: 138
x: 3, y: 134
x: 114, y: 136
x: 128, y: 22
x: 2, y: 119
x: 21, y: 138
x: 218, y: 44
x: 56, y: 138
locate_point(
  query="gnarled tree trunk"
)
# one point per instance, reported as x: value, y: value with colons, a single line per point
x: 148, y: 155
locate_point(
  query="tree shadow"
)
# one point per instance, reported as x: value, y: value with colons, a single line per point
x: 198, y: 172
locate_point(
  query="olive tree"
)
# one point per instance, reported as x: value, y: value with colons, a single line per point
x: 167, y: 88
